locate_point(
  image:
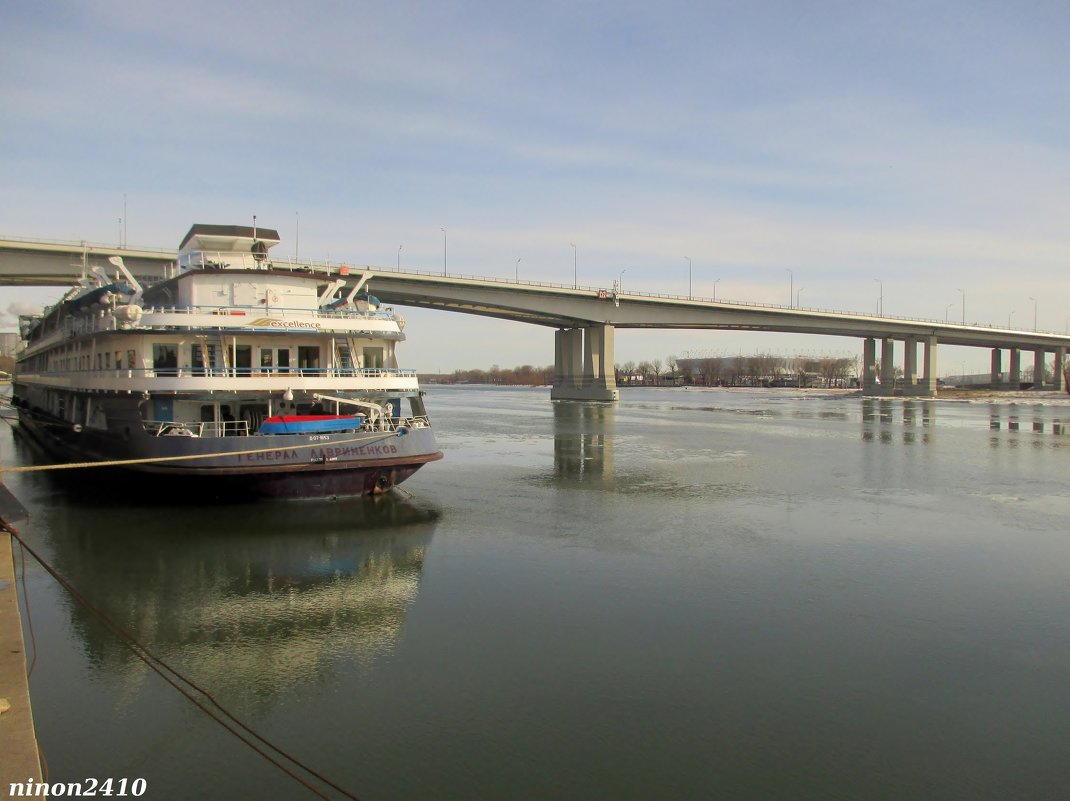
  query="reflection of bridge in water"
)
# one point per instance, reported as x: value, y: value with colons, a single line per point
x: 1000, y: 417
x: 879, y: 418
x: 583, y: 440
x: 917, y: 419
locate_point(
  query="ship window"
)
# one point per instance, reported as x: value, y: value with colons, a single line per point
x: 165, y: 358
x: 308, y: 357
x: 283, y: 359
x: 118, y: 360
x: 131, y: 359
x: 243, y: 359
x: 373, y: 357
x: 265, y: 358
x: 197, y: 357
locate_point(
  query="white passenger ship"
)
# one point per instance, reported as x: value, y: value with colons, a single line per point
x: 249, y: 378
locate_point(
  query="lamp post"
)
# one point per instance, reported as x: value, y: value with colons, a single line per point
x: 791, y: 286
x: 947, y: 309
x: 1034, y: 313
x: 443, y: 230
x: 688, y: 277
x: 575, y: 271
x: 963, y: 291
x: 715, y: 288
x: 516, y: 273
x: 880, y: 298
x: 798, y: 292
x: 399, y: 257
x: 620, y: 280
x: 1009, y: 316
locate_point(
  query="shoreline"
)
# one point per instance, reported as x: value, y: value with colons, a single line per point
x: 18, y: 739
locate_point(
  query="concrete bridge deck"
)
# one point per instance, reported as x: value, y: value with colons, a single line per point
x: 585, y: 318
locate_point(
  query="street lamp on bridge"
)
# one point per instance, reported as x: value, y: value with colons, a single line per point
x: 880, y: 298
x: 791, y: 286
x: 963, y: 291
x: 575, y: 270
x: 1034, y: 313
x: 688, y: 277
x: 443, y: 230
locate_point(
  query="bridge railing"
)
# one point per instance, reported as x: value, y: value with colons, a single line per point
x: 611, y: 293
x: 330, y: 268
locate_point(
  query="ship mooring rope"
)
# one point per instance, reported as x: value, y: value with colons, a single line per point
x: 195, y: 694
x: 122, y: 462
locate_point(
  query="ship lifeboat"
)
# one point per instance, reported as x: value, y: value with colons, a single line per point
x: 311, y: 423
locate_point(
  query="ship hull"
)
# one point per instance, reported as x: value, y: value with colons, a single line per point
x: 279, y: 466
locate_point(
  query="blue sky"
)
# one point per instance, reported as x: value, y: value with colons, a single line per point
x: 921, y: 144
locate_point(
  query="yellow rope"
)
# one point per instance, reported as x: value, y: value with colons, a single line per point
x: 120, y: 462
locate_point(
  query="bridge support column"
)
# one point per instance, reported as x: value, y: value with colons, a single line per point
x: 1060, y: 370
x: 1015, y: 377
x: 997, y: 366
x: 1038, y: 369
x: 910, y: 365
x: 869, y: 366
x: 887, y: 387
x: 926, y: 385
x: 583, y: 366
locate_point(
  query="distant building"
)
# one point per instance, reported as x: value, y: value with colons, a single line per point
x: 9, y: 342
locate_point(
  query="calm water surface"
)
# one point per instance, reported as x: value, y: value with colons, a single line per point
x: 691, y: 595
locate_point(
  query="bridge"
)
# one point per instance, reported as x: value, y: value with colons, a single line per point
x: 585, y: 318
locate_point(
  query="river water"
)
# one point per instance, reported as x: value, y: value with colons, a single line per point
x: 691, y: 595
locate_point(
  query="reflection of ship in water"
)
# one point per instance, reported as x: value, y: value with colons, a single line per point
x: 879, y: 418
x: 583, y: 440
x: 250, y: 601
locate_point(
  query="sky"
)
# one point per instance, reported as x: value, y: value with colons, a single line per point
x: 838, y: 155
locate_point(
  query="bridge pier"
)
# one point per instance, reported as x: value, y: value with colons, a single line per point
x: 869, y: 366
x: 910, y: 366
x: 926, y: 383
x: 996, y: 373
x: 923, y: 384
x: 583, y: 364
x: 1060, y: 370
x: 1015, y: 376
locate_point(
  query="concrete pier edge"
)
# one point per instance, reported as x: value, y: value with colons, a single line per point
x: 21, y: 759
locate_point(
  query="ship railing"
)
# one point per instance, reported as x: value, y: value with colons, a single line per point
x: 173, y: 428
x: 240, y: 428
x: 271, y: 372
x: 274, y: 311
x: 198, y: 371
x: 396, y: 423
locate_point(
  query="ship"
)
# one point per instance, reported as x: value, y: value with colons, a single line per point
x: 233, y: 376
